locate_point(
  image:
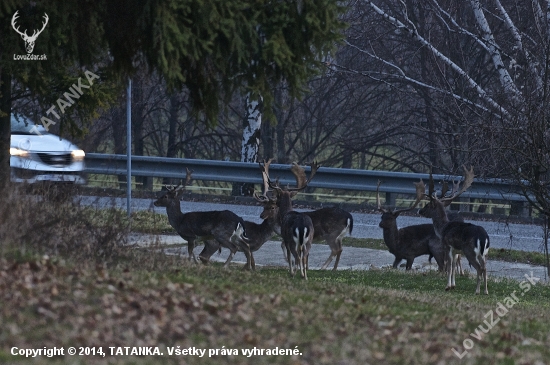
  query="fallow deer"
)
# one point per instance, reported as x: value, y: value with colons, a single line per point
x: 458, y: 237
x: 225, y: 227
x: 257, y: 234
x: 453, y: 217
x: 412, y: 241
x: 330, y: 225
x: 297, y: 229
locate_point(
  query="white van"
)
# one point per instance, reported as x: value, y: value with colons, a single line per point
x: 36, y: 155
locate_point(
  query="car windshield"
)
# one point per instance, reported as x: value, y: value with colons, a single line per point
x: 23, y: 125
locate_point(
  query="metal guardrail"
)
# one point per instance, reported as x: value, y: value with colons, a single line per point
x: 326, y: 177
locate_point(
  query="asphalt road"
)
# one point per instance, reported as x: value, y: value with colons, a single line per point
x: 524, y: 237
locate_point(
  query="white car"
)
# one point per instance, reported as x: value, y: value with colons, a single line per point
x: 36, y: 155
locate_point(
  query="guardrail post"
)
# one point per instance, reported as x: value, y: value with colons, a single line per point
x: 520, y: 209
x: 390, y: 200
x: 464, y: 205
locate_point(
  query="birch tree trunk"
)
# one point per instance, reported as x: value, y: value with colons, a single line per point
x: 250, y: 144
x: 251, y: 134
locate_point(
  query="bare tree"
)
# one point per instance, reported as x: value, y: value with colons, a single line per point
x: 475, y: 75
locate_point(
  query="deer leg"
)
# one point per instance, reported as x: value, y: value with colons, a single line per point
x: 190, y: 247
x: 396, y: 262
x: 481, y: 269
x: 459, y: 265
x: 252, y: 264
x: 440, y: 260
x: 228, y: 261
x: 249, y: 257
x: 451, y: 269
x: 303, y: 253
x: 306, y: 254
x: 455, y: 268
x: 288, y: 258
x: 479, y: 273
x: 210, y: 248
x: 297, y: 262
x: 328, y: 261
x: 337, y: 260
x: 484, y: 258
x: 409, y: 264
x: 301, y: 264
x: 250, y: 261
x: 285, y: 251
x: 338, y: 252
x: 485, y: 279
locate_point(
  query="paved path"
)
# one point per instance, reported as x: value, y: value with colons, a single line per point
x: 352, y: 258
x: 502, y: 234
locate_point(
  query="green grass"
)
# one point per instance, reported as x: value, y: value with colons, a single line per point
x: 145, y: 298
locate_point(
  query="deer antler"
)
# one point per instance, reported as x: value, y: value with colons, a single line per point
x: 265, y: 178
x: 420, y: 188
x: 181, y: 186
x: 300, y: 174
x: 188, y: 176
x: 455, y: 193
x: 444, y: 188
x: 379, y: 207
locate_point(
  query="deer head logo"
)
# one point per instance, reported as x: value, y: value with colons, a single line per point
x: 29, y: 40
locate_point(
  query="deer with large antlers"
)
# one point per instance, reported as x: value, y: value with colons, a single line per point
x: 297, y: 229
x: 29, y: 40
x: 412, y: 241
x: 257, y: 234
x: 330, y: 225
x: 224, y: 226
x: 458, y: 237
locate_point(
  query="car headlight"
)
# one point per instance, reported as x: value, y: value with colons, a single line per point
x: 19, y: 152
x: 78, y: 155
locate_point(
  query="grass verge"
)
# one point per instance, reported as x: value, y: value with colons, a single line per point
x: 145, y: 298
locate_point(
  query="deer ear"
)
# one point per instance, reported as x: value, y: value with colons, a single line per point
x: 293, y: 194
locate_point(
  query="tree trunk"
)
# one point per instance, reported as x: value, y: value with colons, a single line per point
x: 347, y: 159
x: 250, y: 142
x: 251, y: 134
x: 267, y: 140
x: 5, y: 127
